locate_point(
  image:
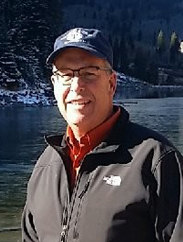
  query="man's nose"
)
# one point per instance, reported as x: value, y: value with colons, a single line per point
x: 77, y: 84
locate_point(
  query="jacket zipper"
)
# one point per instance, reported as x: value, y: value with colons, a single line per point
x: 84, y: 190
x: 73, y: 197
x: 68, y: 218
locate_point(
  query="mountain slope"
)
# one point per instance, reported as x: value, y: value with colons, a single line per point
x: 28, y: 30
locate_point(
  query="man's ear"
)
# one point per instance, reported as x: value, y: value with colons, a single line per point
x: 113, y: 82
x: 52, y: 77
x: 52, y: 80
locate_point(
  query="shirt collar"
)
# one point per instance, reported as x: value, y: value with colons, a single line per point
x: 94, y: 136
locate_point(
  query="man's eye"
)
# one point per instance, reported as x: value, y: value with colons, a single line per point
x: 89, y: 74
x: 67, y: 74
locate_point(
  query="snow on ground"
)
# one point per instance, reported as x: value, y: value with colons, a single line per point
x: 25, y: 97
x: 129, y: 87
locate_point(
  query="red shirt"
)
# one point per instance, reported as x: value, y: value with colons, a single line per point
x: 78, y: 149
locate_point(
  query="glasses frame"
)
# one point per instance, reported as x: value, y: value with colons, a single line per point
x: 75, y: 72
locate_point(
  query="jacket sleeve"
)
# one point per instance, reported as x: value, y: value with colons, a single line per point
x: 169, y: 201
x: 28, y: 229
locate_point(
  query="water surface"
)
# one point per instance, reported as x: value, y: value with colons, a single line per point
x: 22, y: 131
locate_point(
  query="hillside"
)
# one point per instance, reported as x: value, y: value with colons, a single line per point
x: 28, y: 29
x: 145, y: 35
x: 115, y: 17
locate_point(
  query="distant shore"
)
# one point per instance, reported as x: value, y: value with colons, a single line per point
x: 127, y: 87
x: 149, y: 91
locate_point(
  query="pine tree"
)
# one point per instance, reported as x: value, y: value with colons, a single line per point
x: 94, y: 15
x: 131, y: 42
x: 152, y: 74
x: 110, y: 39
x: 140, y: 64
x: 139, y: 36
x: 10, y: 74
x: 154, y: 39
x: 161, y: 47
x: 174, y: 47
x: 123, y: 55
x: 116, y: 53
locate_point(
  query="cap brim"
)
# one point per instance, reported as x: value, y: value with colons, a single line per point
x: 55, y: 53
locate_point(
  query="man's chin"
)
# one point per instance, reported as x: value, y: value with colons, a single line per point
x: 77, y: 121
x: 78, y: 114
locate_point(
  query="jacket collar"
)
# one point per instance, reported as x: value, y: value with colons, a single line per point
x: 111, y: 143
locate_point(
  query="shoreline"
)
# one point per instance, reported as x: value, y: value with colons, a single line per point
x: 124, y: 91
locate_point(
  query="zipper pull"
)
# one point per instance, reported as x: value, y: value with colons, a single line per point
x: 63, y: 233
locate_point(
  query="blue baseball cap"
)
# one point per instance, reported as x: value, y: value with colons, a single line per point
x: 91, y: 40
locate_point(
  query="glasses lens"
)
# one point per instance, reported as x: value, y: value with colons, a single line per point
x: 64, y: 75
x: 88, y: 72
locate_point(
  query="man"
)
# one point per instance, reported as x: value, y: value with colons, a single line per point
x: 106, y: 179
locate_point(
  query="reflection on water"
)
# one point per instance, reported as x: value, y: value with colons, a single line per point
x: 22, y: 133
x: 163, y: 115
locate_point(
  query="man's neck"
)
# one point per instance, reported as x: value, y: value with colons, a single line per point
x: 80, y: 131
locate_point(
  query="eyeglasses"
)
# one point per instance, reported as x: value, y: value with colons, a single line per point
x: 87, y: 74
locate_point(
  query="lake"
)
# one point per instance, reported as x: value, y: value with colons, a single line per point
x: 22, y: 131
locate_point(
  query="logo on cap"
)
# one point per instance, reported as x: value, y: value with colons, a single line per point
x: 76, y: 35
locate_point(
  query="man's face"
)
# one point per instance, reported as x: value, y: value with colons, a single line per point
x: 84, y: 104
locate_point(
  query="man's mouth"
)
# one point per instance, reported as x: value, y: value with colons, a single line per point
x: 79, y: 103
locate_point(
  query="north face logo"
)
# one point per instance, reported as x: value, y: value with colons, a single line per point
x: 113, y: 180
